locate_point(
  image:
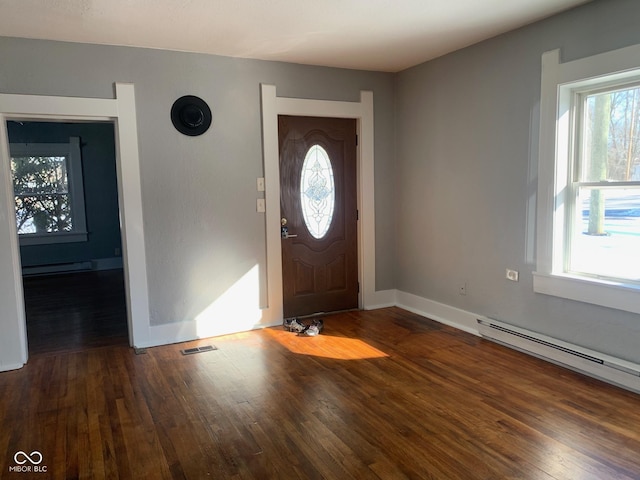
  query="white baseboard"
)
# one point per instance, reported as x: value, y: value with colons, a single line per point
x: 11, y: 366
x: 218, y: 323
x: 381, y: 299
x: 446, y: 314
x: 188, y: 331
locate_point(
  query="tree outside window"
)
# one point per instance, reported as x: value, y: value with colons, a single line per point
x: 49, y: 198
x: 41, y: 188
x: 605, y: 237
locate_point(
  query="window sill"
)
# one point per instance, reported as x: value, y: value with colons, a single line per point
x: 618, y: 295
x: 50, y: 238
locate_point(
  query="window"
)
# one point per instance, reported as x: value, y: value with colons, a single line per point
x: 604, y: 192
x: 588, y: 231
x: 49, y: 197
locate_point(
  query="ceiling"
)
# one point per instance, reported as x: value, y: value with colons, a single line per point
x: 382, y: 35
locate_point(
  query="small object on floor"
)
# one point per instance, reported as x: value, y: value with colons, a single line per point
x: 297, y: 326
x: 319, y: 324
x: 311, y: 331
x: 293, y: 325
x: 315, y: 328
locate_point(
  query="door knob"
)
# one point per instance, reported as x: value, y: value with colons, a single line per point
x: 284, y: 230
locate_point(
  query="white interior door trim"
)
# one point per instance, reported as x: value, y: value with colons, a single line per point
x: 362, y: 111
x: 121, y: 110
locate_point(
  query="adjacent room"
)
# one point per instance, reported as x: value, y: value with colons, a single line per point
x: 302, y: 239
x: 69, y: 234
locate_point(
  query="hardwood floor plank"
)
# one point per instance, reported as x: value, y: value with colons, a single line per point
x: 75, y: 311
x: 384, y: 394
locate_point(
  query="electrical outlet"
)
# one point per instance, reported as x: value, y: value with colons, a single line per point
x: 512, y: 275
x: 462, y: 289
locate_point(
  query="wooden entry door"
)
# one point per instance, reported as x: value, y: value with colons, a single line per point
x: 318, y: 204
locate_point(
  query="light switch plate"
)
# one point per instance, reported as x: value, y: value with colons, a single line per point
x: 260, y: 207
x: 260, y: 184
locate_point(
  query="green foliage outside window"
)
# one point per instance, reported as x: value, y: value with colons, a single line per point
x: 41, y: 188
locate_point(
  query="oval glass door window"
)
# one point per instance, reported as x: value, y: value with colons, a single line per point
x: 317, y: 192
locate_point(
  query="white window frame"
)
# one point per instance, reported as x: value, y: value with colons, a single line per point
x: 560, y: 84
x: 71, y: 151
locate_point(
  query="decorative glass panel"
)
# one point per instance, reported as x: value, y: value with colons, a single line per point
x: 317, y: 192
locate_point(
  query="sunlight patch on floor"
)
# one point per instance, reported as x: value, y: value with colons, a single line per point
x: 325, y: 345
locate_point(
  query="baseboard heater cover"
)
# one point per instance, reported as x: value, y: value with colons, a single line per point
x: 57, y: 268
x: 112, y: 263
x: 613, y: 370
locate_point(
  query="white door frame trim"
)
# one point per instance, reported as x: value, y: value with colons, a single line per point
x: 122, y: 111
x: 362, y: 111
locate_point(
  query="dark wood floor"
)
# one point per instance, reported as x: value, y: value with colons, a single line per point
x: 383, y: 394
x: 75, y: 311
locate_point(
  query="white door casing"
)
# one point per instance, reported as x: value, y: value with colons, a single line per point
x: 120, y: 110
x: 362, y: 111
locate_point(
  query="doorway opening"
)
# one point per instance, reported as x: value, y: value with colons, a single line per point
x: 120, y: 111
x: 66, y: 213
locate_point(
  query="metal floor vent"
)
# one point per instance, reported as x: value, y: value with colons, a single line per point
x: 203, y: 348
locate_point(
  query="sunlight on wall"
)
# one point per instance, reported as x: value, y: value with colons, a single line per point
x: 326, y: 346
x: 236, y: 310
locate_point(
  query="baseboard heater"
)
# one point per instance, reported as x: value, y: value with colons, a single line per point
x: 95, y: 264
x: 57, y: 268
x: 604, y: 367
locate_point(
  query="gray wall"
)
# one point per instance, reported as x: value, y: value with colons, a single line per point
x: 100, y: 190
x: 467, y: 141
x: 199, y: 193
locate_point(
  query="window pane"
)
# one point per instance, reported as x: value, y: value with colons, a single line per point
x: 606, y: 234
x: 41, y: 188
x: 611, y: 149
x: 39, y: 174
x: 317, y: 193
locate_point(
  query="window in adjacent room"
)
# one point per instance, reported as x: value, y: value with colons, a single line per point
x: 48, y: 190
x: 588, y: 229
